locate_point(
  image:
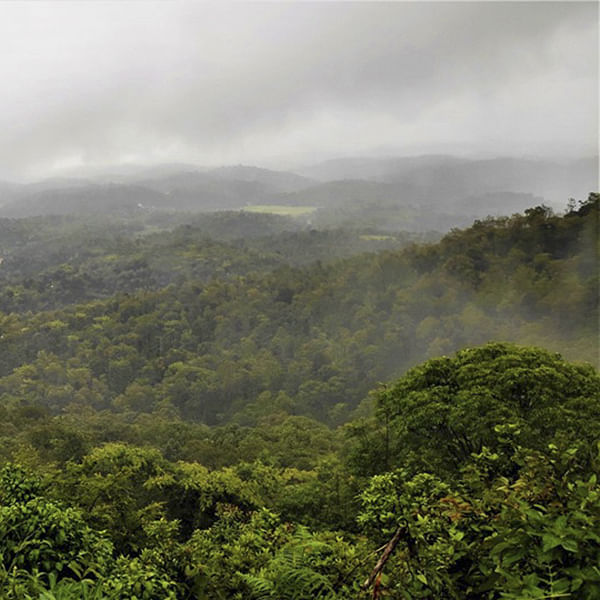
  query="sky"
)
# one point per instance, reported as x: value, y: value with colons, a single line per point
x: 277, y: 84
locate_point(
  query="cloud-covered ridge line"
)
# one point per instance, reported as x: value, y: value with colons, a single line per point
x: 98, y: 83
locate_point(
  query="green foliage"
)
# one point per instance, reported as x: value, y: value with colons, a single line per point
x: 17, y: 485
x: 49, y: 262
x: 535, y: 535
x: 133, y: 579
x: 258, y: 556
x: 111, y: 487
x: 293, y: 573
x: 225, y: 346
x: 443, y: 411
x: 516, y: 519
x: 181, y: 436
x: 40, y: 536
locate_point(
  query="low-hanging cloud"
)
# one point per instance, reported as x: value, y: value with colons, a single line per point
x: 95, y: 83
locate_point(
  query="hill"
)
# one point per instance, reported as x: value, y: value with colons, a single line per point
x: 448, y: 180
x: 315, y: 339
x: 228, y: 435
x: 48, y: 262
x: 419, y: 194
x: 162, y: 188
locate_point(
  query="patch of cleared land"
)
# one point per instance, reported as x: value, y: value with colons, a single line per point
x: 279, y: 209
x: 377, y: 238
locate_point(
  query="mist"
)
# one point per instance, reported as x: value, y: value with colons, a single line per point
x: 285, y: 85
x: 299, y: 300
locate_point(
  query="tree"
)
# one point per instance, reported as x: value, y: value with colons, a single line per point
x: 535, y: 535
x: 39, y: 535
x: 446, y: 409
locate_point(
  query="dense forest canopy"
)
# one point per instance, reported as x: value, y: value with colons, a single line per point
x: 241, y: 405
x: 299, y: 301
x: 236, y: 329
x: 517, y: 517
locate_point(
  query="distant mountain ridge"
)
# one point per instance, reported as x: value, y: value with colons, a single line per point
x: 373, y: 190
x: 555, y: 181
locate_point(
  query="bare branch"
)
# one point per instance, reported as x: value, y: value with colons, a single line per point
x: 389, y: 548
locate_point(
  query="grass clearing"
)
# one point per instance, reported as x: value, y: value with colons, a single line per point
x: 280, y: 209
x: 376, y: 238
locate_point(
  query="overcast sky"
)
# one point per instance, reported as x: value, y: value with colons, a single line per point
x: 277, y: 83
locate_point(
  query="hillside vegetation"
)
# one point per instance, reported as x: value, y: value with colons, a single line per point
x: 264, y: 413
x: 314, y: 340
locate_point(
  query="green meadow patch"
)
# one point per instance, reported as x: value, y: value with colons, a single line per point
x: 376, y: 238
x: 279, y: 209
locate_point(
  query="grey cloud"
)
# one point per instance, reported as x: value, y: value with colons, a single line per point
x: 105, y: 82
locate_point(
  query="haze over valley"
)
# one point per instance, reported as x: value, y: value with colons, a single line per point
x: 299, y: 301
x: 419, y: 193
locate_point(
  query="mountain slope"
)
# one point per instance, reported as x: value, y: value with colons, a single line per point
x: 449, y: 178
x: 313, y: 340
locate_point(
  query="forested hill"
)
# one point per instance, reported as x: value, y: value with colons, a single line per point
x: 50, y: 262
x: 267, y: 433
x: 312, y: 341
